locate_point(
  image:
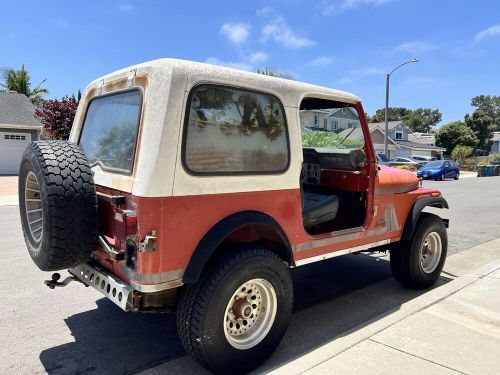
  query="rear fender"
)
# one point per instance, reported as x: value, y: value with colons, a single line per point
x: 223, y: 230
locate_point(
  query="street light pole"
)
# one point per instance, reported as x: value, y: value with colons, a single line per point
x: 386, y: 116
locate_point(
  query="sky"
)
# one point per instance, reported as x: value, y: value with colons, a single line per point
x: 344, y: 44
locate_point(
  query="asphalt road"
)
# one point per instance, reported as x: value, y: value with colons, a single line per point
x: 75, y: 330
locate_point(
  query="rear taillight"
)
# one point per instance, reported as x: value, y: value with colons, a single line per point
x: 124, y: 226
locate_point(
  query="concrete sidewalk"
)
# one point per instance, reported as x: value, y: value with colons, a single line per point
x: 453, y: 329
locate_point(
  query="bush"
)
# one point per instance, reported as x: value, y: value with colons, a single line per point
x: 460, y: 152
x: 328, y: 140
x: 406, y: 167
x: 57, y: 117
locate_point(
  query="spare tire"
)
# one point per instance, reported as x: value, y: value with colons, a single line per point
x: 57, y: 204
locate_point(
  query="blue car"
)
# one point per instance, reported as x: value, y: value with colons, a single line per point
x: 439, y: 170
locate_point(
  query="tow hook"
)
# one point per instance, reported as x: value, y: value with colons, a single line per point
x: 55, y: 281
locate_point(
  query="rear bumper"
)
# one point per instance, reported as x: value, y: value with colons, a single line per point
x: 116, y: 290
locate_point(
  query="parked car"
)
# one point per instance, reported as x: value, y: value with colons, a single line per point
x: 424, y: 159
x: 185, y: 187
x: 439, y: 170
x: 406, y: 161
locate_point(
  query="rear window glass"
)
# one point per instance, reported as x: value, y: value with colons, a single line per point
x: 110, y: 130
x: 233, y: 131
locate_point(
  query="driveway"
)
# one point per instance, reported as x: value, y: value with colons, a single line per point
x: 8, y: 190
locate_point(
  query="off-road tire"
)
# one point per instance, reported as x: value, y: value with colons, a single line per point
x: 202, y: 307
x: 68, y: 204
x: 405, y: 255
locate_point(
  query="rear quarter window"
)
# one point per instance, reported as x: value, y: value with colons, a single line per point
x: 233, y: 131
x: 109, y: 134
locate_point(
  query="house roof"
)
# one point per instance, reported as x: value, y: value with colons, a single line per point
x: 17, y: 110
x: 416, y: 145
x: 391, y: 125
x: 357, y: 134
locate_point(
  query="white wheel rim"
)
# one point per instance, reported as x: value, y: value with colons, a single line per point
x: 430, y: 252
x: 33, y: 208
x: 250, y: 314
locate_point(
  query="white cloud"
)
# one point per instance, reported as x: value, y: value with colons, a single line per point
x: 62, y: 24
x: 321, y: 62
x: 370, y: 71
x: 416, y: 47
x: 257, y: 57
x: 236, y: 33
x: 423, y: 82
x: 264, y: 12
x: 328, y: 8
x: 278, y: 31
x: 126, y: 7
x: 489, y: 32
x: 229, y: 64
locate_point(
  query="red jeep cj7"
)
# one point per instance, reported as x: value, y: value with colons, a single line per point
x: 198, y: 189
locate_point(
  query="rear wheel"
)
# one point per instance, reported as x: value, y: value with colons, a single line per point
x: 235, y: 316
x: 418, y: 263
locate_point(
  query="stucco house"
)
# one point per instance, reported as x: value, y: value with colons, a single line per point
x: 377, y: 136
x: 400, y: 134
x: 495, y: 145
x: 332, y: 120
x: 18, y: 127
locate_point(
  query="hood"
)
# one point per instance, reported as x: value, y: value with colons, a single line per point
x: 395, y: 180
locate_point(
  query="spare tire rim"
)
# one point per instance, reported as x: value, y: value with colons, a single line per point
x: 250, y: 314
x: 430, y: 253
x: 33, y: 206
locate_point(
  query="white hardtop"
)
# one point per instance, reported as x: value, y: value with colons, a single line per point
x: 158, y: 171
x: 291, y: 92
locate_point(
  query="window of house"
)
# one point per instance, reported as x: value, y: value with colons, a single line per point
x: 334, y: 125
x: 232, y: 131
x: 15, y: 137
x: 399, y: 134
x: 316, y: 119
x: 351, y: 125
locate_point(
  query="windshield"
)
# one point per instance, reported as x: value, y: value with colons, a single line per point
x: 435, y: 164
x: 331, y: 128
x: 110, y: 131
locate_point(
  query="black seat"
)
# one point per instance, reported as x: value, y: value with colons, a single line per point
x: 318, y: 208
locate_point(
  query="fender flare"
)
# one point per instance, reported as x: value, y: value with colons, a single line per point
x: 416, y: 210
x: 220, y: 231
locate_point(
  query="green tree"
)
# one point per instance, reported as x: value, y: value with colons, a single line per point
x: 485, y: 119
x: 453, y: 134
x: 273, y: 72
x: 460, y: 152
x: 20, y: 82
x: 423, y: 119
x: 393, y: 114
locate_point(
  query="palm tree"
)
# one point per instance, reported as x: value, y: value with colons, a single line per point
x: 20, y: 82
x: 273, y: 72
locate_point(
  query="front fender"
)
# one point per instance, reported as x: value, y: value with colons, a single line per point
x: 416, y: 210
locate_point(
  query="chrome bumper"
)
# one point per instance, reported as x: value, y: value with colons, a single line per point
x: 115, y: 289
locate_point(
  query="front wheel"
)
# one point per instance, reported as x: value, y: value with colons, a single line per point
x: 418, y: 263
x: 457, y: 176
x: 233, y: 319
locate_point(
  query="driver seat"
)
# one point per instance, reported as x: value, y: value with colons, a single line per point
x: 318, y: 208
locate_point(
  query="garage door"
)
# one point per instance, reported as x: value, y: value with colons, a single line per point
x: 12, y: 146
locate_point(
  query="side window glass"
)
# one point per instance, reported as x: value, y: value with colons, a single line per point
x: 234, y: 131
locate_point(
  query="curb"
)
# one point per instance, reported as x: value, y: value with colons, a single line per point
x: 489, y: 253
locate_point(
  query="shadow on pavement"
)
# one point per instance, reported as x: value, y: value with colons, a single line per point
x: 331, y: 298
